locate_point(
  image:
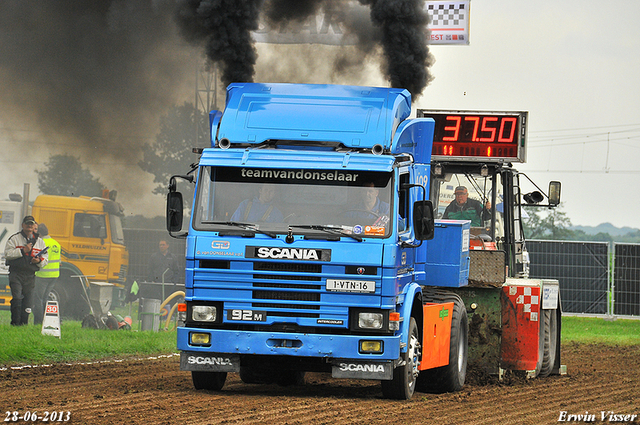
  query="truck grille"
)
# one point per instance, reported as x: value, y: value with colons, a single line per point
x: 284, y: 291
x: 281, y: 290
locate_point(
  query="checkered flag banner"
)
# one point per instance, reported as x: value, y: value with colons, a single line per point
x: 448, y: 22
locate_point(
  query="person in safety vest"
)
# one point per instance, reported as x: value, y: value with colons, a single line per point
x: 463, y: 208
x: 47, y: 276
x: 260, y: 208
x: 25, y: 253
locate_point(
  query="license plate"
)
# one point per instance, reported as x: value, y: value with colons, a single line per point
x: 338, y: 285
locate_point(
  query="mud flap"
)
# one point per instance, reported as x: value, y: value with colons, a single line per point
x: 382, y: 371
x: 209, y: 362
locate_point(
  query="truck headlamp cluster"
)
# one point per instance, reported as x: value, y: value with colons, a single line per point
x: 369, y: 320
x: 204, y: 313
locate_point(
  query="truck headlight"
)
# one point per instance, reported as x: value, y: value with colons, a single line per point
x: 204, y: 313
x: 370, y: 320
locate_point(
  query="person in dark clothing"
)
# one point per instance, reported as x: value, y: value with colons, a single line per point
x: 25, y: 254
x: 163, y: 263
x: 463, y: 208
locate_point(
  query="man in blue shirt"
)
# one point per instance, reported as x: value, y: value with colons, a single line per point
x: 260, y: 208
x: 371, y: 209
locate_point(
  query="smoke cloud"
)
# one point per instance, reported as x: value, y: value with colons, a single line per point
x: 399, y: 26
x: 93, y: 78
x: 96, y: 71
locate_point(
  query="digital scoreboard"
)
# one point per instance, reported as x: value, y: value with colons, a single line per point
x: 490, y: 136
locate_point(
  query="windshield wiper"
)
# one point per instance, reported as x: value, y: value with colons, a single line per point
x: 245, y: 226
x: 329, y: 229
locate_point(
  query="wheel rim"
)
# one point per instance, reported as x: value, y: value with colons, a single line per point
x: 413, y: 356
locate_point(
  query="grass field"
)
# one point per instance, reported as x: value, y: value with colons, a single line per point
x: 26, y: 345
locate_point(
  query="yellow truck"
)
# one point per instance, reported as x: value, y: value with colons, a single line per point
x: 89, y: 231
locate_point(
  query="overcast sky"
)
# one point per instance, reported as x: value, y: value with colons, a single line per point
x: 574, y: 65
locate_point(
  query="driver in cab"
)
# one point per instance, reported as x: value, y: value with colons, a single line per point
x: 463, y: 208
x: 260, y: 208
x: 371, y: 208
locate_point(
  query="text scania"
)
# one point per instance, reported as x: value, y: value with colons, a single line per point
x: 209, y: 360
x: 355, y: 367
x: 288, y: 253
x: 300, y: 175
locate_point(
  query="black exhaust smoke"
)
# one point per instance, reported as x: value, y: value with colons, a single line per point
x: 224, y: 26
x: 404, y: 41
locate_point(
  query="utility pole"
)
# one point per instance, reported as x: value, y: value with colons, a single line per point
x: 206, y: 95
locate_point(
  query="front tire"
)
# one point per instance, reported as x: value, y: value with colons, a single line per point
x: 403, y: 384
x: 212, y: 381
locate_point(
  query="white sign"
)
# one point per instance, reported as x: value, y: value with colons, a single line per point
x: 448, y: 23
x: 51, y: 320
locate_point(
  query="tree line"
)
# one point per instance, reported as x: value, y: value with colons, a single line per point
x: 555, y: 225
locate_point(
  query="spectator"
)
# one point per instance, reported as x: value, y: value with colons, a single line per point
x: 25, y: 254
x: 163, y: 264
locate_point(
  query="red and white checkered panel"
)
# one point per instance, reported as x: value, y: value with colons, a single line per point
x: 529, y: 298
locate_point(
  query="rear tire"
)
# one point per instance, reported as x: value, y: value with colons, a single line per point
x: 451, y: 377
x: 541, y: 343
x: 403, y: 384
x: 550, y: 342
x: 212, y: 381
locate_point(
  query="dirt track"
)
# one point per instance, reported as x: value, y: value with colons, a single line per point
x: 155, y: 391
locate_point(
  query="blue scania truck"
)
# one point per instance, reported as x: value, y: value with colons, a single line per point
x: 318, y: 242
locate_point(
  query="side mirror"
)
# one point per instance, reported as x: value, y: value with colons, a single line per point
x: 174, y: 211
x: 423, y: 220
x: 554, y: 193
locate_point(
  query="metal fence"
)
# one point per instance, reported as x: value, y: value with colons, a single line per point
x: 626, y: 279
x: 595, y: 277
x: 582, y: 269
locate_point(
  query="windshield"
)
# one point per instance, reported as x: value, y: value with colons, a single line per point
x: 466, y: 196
x: 117, y: 234
x: 309, y: 201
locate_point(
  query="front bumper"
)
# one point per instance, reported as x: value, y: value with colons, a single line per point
x: 289, y: 344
